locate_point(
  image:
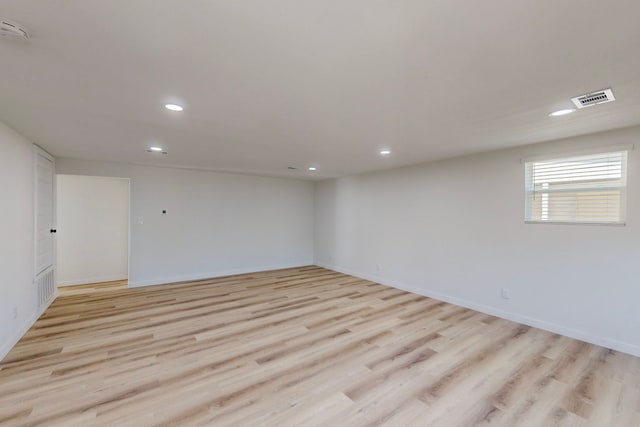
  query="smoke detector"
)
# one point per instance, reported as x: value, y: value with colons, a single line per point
x: 598, y: 97
x: 11, y: 29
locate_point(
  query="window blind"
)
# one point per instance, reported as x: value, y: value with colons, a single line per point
x: 579, y: 189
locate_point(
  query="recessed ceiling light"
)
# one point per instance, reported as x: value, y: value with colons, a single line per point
x: 313, y: 168
x: 156, y: 149
x: 563, y: 112
x: 174, y: 107
x: 385, y: 152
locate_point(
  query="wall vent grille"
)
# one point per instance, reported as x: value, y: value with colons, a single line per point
x: 46, y: 287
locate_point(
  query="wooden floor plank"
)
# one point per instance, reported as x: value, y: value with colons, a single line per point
x: 302, y: 346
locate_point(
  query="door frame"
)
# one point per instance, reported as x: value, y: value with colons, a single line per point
x: 128, y: 230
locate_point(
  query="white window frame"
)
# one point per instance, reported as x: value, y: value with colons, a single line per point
x: 544, y: 214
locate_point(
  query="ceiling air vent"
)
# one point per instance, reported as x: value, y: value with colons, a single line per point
x: 12, y: 29
x: 593, y: 98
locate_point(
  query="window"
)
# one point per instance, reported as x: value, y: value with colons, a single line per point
x: 589, y: 189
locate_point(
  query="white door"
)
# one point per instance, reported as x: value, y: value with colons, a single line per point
x: 45, y: 225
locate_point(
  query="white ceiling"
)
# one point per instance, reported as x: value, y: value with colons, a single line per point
x: 271, y: 84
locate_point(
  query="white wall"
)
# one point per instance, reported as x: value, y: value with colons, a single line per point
x: 454, y: 230
x: 17, y: 291
x: 216, y: 223
x: 93, y: 229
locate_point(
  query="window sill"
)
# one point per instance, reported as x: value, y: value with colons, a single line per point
x: 609, y: 224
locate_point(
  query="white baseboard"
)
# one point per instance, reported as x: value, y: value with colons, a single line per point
x: 214, y: 274
x: 12, y: 341
x: 94, y: 279
x: 581, y: 335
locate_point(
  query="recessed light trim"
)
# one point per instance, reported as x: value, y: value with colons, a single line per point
x: 156, y: 149
x: 385, y: 152
x: 562, y: 112
x: 313, y: 168
x: 11, y: 29
x: 174, y: 107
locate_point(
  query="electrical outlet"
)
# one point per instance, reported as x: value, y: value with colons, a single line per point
x: 506, y: 293
x: 15, y: 312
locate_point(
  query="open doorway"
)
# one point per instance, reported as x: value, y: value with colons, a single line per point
x: 93, y: 229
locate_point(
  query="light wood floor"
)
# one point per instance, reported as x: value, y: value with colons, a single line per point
x: 302, y: 347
